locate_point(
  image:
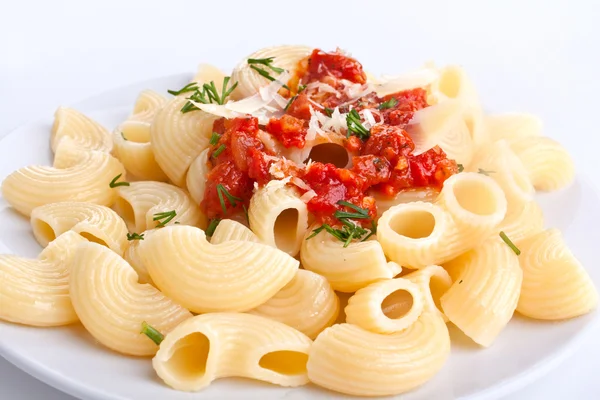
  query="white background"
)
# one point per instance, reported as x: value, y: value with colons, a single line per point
x: 541, y: 57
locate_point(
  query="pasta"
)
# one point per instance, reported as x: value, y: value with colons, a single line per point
x: 362, y: 263
x: 291, y: 199
x: 555, y: 285
x: 386, y: 306
x: 230, y: 276
x: 112, y: 305
x: 212, y: 346
x: 77, y: 175
x: 307, y: 303
x: 96, y: 223
x: 398, y: 362
x: 177, y: 138
x: 279, y: 217
x: 36, y: 291
x: 484, y: 295
x: 141, y: 204
x: 81, y: 130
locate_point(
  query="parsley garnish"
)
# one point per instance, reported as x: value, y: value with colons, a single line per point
x: 223, y: 193
x: 509, y: 243
x: 289, y: 103
x: 212, y: 226
x: 355, y: 126
x: 123, y: 136
x: 350, y: 230
x: 190, y: 87
x: 218, y: 151
x: 135, y: 236
x: 214, y: 139
x: 209, y: 95
x: 114, y: 183
x: 328, y: 111
x: 152, y: 333
x: 268, y: 62
x: 461, y: 167
x: 164, y: 218
x: 484, y: 172
x: 388, y: 104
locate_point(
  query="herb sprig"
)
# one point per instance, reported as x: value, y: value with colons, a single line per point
x: 152, y: 333
x: 135, y: 236
x: 114, y: 183
x: 212, y: 226
x: 190, y: 87
x: 223, y: 194
x: 267, y: 62
x: 163, y: 218
x: 510, y: 243
x: 484, y: 172
x: 355, y: 126
x: 209, y: 94
x: 350, y: 230
x: 391, y: 103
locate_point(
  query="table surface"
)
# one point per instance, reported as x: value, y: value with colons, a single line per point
x: 59, y: 52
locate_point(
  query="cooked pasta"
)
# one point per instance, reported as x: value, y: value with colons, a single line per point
x: 36, y: 291
x: 307, y: 303
x: 279, y: 217
x: 346, y: 268
x: 297, y: 198
x: 548, y: 165
x: 397, y: 362
x: 178, y: 138
x: 112, y: 305
x: 555, y: 285
x: 386, y: 306
x: 484, y: 295
x: 141, y: 204
x: 230, y: 276
x: 212, y: 346
x: 85, y: 132
x: 77, y: 175
x: 96, y: 223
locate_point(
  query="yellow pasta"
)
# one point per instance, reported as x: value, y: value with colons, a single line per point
x: 112, y: 305
x: 384, y: 203
x: 433, y: 281
x: 178, y: 138
x: 132, y: 256
x: 249, y: 80
x: 229, y: 229
x: 513, y: 126
x: 346, y: 268
x: 196, y: 177
x: 96, y: 223
x: 140, y: 202
x: 386, y: 306
x: 555, y: 284
x: 36, y: 291
x: 278, y: 217
x: 522, y: 220
x: 548, y: 164
x: 207, y: 73
x: 81, y: 130
x: 146, y: 105
x: 77, y: 175
x: 211, y: 346
x: 307, y: 303
x: 230, y: 276
x: 397, y: 362
x: 484, y: 295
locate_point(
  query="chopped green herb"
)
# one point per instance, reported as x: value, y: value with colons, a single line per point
x: 190, y: 87
x: 218, y: 151
x: 509, y: 243
x: 301, y: 88
x: 114, y: 183
x: 163, y: 218
x: 209, y: 95
x: 152, y: 333
x: 350, y: 230
x: 246, y: 214
x: 135, y: 236
x: 461, y: 167
x: 484, y: 172
x: 268, y: 62
x: 289, y: 103
x: 212, y: 226
x: 223, y: 193
x: 355, y: 126
x: 214, y: 139
x: 361, y: 213
x: 391, y: 103
x: 266, y: 75
x: 328, y: 111
x: 123, y: 136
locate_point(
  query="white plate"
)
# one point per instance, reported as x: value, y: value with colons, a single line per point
x: 69, y: 359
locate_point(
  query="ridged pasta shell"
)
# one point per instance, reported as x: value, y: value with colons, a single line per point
x: 140, y: 201
x: 207, y: 73
x: 77, y: 175
x: 229, y: 229
x: 352, y: 360
x: 549, y: 166
x: 134, y: 150
x: 433, y: 281
x: 513, y: 126
x: 231, y: 276
x: 146, y: 105
x: 384, y: 203
x: 177, y: 138
x: 211, y: 346
x: 555, y: 284
x: 112, y: 305
x: 484, y: 295
x: 132, y: 256
x: 307, y: 303
x: 82, y: 130
x: 522, y: 220
x: 346, y: 268
x: 96, y: 223
x: 36, y: 291
x: 386, y: 306
x: 196, y: 177
x: 278, y: 217
x: 249, y: 81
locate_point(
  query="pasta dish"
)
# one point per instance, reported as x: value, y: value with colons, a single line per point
x: 296, y: 221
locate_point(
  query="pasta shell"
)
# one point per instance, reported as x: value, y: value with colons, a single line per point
x: 81, y: 130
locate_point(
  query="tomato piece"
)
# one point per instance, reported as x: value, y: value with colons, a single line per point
x: 289, y: 130
x: 336, y: 64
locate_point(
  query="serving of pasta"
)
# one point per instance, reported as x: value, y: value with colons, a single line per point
x: 297, y: 221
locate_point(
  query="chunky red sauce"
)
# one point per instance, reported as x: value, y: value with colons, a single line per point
x: 384, y: 160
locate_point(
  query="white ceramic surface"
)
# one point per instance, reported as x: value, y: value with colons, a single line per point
x: 70, y: 360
